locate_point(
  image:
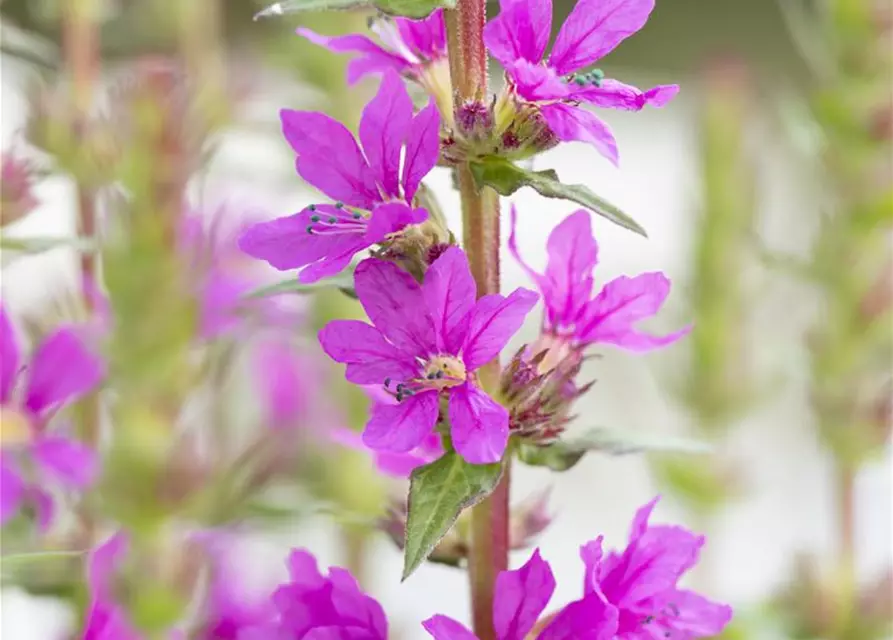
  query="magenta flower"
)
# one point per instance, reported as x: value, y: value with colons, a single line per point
x: 426, y: 342
x: 641, y: 583
x: 410, y: 46
x: 521, y: 596
x: 61, y: 370
x: 574, y: 319
x: 285, y: 381
x: 106, y: 620
x: 518, y: 38
x: 374, y: 196
x: 313, y: 606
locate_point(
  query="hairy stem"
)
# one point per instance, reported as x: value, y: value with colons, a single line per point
x: 80, y: 39
x: 488, y: 553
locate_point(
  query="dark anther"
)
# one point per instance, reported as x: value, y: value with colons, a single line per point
x: 399, y: 397
x: 314, y: 218
x: 312, y: 207
x: 357, y: 215
x: 339, y: 205
x: 400, y: 387
x: 431, y: 376
x: 309, y: 229
x: 439, y: 374
x: 333, y: 220
x: 387, y: 382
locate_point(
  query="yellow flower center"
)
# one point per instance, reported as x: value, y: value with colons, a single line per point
x: 443, y: 372
x: 14, y: 427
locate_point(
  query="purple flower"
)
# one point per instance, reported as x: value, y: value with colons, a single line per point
x: 574, y: 319
x: 61, y: 370
x: 286, y: 382
x: 521, y: 596
x: 426, y: 342
x: 641, y: 583
x: 411, y: 47
x: 518, y: 38
x: 106, y: 620
x: 313, y: 606
x: 374, y: 197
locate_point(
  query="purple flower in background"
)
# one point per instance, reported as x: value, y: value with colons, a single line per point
x: 424, y: 342
x: 641, y: 582
x: 60, y: 371
x: 573, y: 318
x: 521, y: 596
x: 374, y: 197
x: 286, y: 381
x: 410, y: 48
x: 106, y: 620
x: 312, y: 605
x: 518, y: 38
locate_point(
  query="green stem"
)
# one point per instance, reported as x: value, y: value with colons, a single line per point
x: 488, y: 554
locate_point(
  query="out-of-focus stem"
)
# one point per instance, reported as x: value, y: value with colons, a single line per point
x: 846, y: 555
x: 80, y: 40
x: 480, y: 220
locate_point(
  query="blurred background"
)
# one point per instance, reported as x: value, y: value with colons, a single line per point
x: 766, y: 191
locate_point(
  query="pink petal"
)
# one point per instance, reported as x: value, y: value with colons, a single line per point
x: 478, y: 424
x: 443, y: 628
x: 492, y: 323
x: 403, y: 427
x: 520, y: 31
x: 422, y: 149
x: 9, y: 357
x: 394, y: 302
x: 427, y: 37
x: 593, y: 29
x: 369, y: 357
x: 283, y: 380
x: 573, y: 255
x: 62, y: 369
x: 590, y: 618
x: 329, y: 157
x: 374, y: 58
x: 391, y: 218
x: 12, y: 488
x: 591, y: 553
x: 450, y: 293
x: 44, y: 507
x: 103, y: 563
x: 613, y: 94
x: 67, y: 461
x: 521, y: 596
x: 535, y: 82
x: 570, y: 123
x: 610, y: 316
x: 383, y: 128
x: 332, y: 264
x: 694, y: 616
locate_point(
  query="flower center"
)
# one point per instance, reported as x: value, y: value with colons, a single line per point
x: 14, y: 427
x: 343, y: 220
x: 592, y: 78
x: 438, y: 373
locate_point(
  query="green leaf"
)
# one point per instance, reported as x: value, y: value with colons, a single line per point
x: 343, y: 282
x: 408, y: 8
x: 438, y: 493
x: 39, y: 245
x: 506, y: 177
x: 565, y: 453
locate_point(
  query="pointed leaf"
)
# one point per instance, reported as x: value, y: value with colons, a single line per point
x: 408, y: 8
x: 565, y: 453
x: 343, y: 281
x: 506, y: 178
x: 438, y: 492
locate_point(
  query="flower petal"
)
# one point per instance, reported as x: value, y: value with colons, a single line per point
x: 69, y: 462
x: 355, y: 607
x: 103, y: 563
x: 443, y: 628
x: 570, y: 123
x: 492, y: 323
x: 691, y: 615
x: 426, y: 37
x: 520, y: 31
x: 329, y: 157
x: 12, y: 488
x: 522, y: 595
x: 613, y: 94
x: 391, y: 218
x: 369, y: 357
x: 610, y: 316
x: 61, y: 370
x: 594, y: 28
x: 535, y: 83
x: 373, y: 59
x: 573, y: 255
x: 590, y: 618
x: 9, y: 357
x: 422, y: 149
x: 450, y: 294
x: 394, y: 302
x: 478, y: 424
x: 383, y: 128
x: 284, y: 381
x: 402, y: 427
